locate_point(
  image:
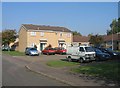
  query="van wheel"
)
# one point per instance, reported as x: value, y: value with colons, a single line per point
x: 69, y: 59
x: 81, y: 60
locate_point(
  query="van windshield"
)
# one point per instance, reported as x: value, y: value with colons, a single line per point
x: 89, y: 49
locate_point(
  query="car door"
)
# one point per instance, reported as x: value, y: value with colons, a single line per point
x: 81, y: 52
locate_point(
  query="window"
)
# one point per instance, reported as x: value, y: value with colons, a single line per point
x: 41, y: 33
x: 68, y: 35
x: 81, y: 49
x: 33, y: 33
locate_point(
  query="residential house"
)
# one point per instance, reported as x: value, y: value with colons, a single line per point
x: 116, y: 41
x: 80, y: 40
x: 42, y: 36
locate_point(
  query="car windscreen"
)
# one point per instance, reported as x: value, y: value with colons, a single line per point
x: 89, y: 49
x: 33, y: 49
x: 98, y: 51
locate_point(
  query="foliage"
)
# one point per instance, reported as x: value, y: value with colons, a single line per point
x: 115, y: 27
x: 57, y: 63
x: 49, y: 46
x: 76, y: 33
x: 8, y: 36
x: 91, y: 34
x: 96, y: 40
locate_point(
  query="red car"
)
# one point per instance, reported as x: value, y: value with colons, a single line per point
x: 60, y: 50
x: 49, y: 51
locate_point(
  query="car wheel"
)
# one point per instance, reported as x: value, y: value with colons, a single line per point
x: 81, y: 60
x: 60, y: 53
x: 69, y: 59
x: 47, y: 53
x: 30, y: 54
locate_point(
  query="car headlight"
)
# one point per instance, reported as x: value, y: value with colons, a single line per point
x: 114, y: 54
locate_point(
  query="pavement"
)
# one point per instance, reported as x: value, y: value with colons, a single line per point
x: 61, y: 74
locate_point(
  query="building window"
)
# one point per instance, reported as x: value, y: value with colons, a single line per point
x: 33, y: 33
x: 41, y: 33
x: 60, y: 34
x: 68, y: 35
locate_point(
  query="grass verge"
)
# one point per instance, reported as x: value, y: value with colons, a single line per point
x: 14, y: 53
x: 109, y: 70
x: 58, y: 63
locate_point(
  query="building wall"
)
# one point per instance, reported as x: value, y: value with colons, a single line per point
x: 80, y: 43
x: 116, y: 46
x: 27, y: 40
x: 22, y: 39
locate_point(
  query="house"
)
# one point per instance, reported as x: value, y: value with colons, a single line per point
x: 116, y: 41
x: 80, y: 40
x: 42, y: 36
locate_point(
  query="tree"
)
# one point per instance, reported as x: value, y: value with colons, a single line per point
x: 115, y: 27
x: 96, y: 40
x: 91, y: 34
x: 49, y: 46
x: 8, y: 36
x: 76, y: 33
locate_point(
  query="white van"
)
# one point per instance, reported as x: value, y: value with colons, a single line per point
x: 81, y: 53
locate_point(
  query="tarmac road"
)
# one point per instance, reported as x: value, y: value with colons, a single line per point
x: 15, y: 74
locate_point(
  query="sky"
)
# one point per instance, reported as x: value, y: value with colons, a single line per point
x: 84, y: 17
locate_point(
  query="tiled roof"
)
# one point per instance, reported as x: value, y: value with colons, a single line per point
x: 109, y: 37
x: 43, y: 27
x: 77, y: 38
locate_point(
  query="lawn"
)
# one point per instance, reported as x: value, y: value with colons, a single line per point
x: 109, y: 70
x: 59, y: 63
x: 13, y: 53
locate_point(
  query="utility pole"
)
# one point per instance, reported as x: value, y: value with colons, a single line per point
x: 112, y: 38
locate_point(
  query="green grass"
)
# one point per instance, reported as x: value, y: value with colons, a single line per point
x: 109, y: 70
x: 58, y: 63
x: 14, y: 53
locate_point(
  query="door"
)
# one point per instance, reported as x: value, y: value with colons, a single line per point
x: 42, y: 46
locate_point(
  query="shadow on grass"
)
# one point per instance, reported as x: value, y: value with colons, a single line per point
x: 67, y: 60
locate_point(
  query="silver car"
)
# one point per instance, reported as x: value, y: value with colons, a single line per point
x: 31, y: 51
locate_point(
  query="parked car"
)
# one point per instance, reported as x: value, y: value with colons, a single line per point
x: 60, y: 50
x: 49, y: 51
x: 101, y: 56
x: 81, y: 53
x: 31, y: 51
x: 113, y: 54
